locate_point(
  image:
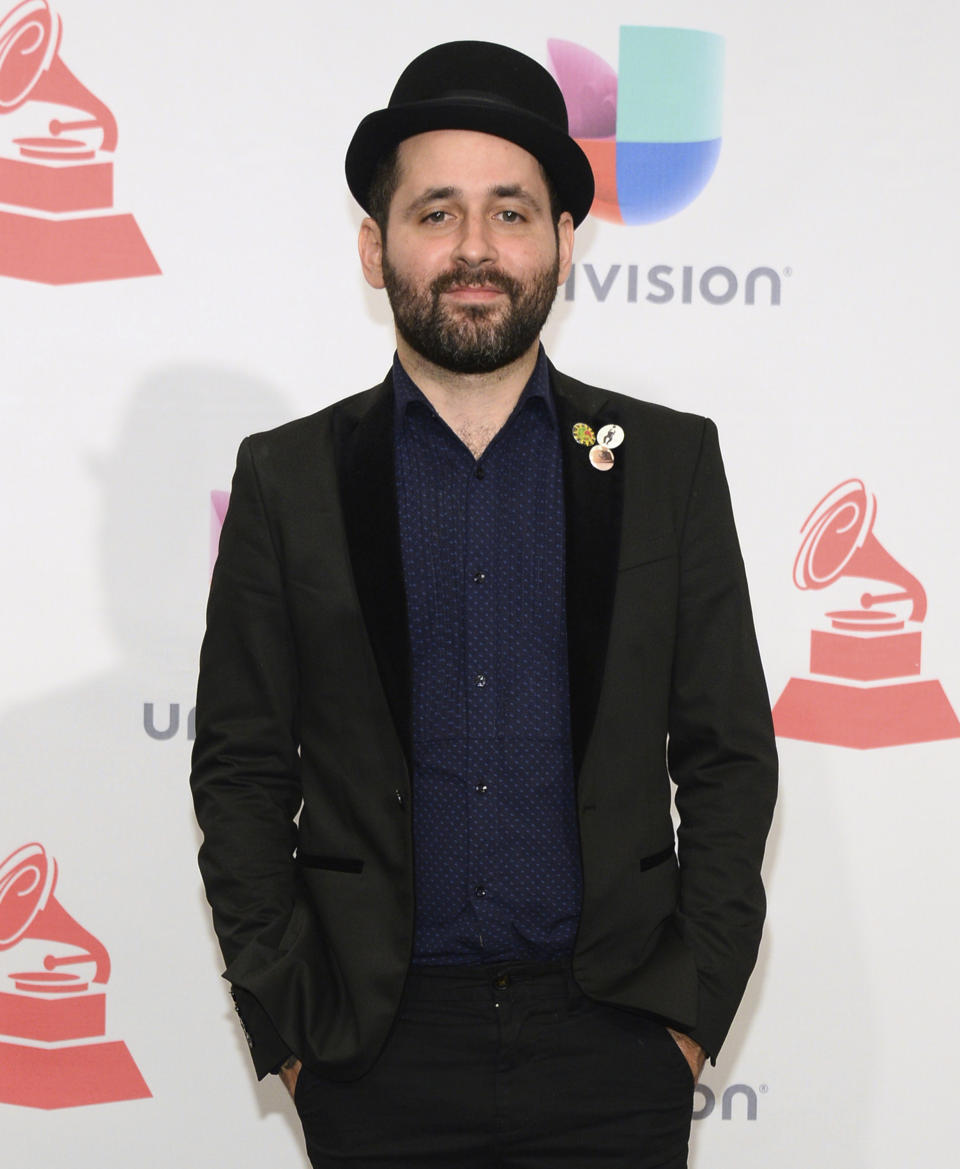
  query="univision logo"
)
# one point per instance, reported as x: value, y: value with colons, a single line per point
x: 651, y: 130
x: 706, y: 1101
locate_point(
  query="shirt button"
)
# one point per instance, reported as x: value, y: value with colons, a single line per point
x: 482, y: 788
x: 479, y: 471
x: 502, y: 981
x: 480, y: 681
x: 479, y: 576
x: 479, y: 891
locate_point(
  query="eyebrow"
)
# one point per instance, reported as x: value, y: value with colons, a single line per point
x: 433, y: 195
x: 515, y: 191
x: 499, y: 191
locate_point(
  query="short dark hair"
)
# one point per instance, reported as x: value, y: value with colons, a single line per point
x: 383, y: 186
x: 386, y: 179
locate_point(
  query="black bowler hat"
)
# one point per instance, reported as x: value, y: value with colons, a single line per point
x: 476, y: 85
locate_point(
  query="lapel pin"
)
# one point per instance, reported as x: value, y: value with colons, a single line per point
x: 601, y: 457
x: 600, y: 443
x: 610, y: 436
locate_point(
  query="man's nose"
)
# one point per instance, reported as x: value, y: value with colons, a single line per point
x: 475, y: 244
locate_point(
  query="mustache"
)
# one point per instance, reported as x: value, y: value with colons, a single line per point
x: 489, y: 278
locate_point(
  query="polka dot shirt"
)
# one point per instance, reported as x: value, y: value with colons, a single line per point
x: 496, y: 849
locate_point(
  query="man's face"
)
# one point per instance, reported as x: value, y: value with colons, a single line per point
x: 472, y: 258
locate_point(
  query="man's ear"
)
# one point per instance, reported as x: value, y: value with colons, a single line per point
x: 564, y: 245
x: 370, y: 247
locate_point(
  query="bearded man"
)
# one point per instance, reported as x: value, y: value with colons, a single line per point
x: 464, y: 629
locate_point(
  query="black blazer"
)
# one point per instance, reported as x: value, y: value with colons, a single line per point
x: 304, y: 700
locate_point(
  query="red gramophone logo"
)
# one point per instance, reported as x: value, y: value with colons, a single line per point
x: 53, y: 1053
x: 864, y: 687
x: 57, y: 222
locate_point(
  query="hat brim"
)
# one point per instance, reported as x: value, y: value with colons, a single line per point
x: 561, y: 157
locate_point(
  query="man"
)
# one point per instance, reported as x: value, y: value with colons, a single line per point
x: 470, y: 645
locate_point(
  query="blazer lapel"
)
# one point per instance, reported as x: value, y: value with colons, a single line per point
x: 368, y: 499
x: 594, y: 509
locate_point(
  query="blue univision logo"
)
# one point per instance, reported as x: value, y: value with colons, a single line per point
x: 652, y: 131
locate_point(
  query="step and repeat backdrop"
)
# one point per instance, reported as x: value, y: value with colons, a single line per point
x: 774, y: 244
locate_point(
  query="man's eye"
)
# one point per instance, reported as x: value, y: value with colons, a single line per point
x: 508, y: 215
x: 435, y: 217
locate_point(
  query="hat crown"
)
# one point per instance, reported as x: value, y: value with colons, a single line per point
x: 483, y: 72
x: 482, y: 87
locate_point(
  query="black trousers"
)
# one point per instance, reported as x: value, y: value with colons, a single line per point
x: 506, y: 1067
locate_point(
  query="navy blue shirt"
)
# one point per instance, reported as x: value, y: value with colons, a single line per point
x: 496, y: 847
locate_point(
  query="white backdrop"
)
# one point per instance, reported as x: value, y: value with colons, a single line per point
x: 124, y: 401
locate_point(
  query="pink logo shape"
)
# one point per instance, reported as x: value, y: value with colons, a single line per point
x: 864, y: 688
x: 589, y: 88
x: 58, y: 225
x: 53, y: 1053
x: 219, y: 502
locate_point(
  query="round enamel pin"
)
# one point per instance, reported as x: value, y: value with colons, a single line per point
x: 610, y: 435
x: 583, y: 434
x: 601, y: 457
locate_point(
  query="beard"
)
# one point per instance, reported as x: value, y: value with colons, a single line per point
x: 477, y: 338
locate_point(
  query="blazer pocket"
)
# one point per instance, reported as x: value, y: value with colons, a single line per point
x: 657, y: 858
x: 646, y: 550
x: 334, y: 864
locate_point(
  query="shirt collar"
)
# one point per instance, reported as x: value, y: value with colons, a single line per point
x: 406, y: 391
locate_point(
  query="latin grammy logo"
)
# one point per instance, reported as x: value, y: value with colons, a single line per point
x: 53, y: 1053
x: 864, y: 688
x: 57, y: 223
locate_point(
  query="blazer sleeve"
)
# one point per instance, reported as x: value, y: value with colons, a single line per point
x: 245, y: 777
x: 721, y: 752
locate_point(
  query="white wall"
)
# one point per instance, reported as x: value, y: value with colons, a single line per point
x: 123, y: 403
